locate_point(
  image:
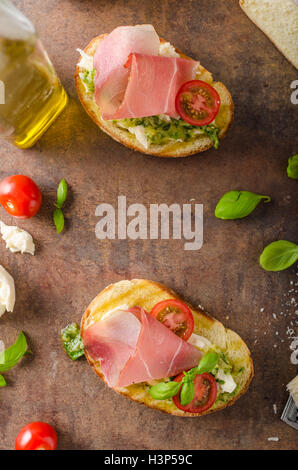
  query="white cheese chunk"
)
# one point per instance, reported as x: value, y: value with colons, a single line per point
x: 86, y: 62
x: 229, y: 384
x: 166, y: 49
x: 139, y: 132
x: 7, y: 291
x: 199, y: 342
x: 17, y: 239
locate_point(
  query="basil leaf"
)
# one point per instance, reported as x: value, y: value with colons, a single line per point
x: 72, y: 341
x: 165, y: 390
x: 208, y: 362
x: 187, y: 393
x: 58, y: 220
x: 11, y: 356
x: 2, y: 381
x: 292, y: 169
x: 279, y: 255
x: 61, y: 193
x: 238, y: 204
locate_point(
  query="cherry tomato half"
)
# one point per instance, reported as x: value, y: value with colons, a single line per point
x: 205, y: 393
x: 197, y: 103
x: 176, y: 316
x: 36, y: 436
x: 20, y: 196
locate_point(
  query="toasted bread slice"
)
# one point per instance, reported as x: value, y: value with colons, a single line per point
x: 279, y: 21
x: 146, y: 294
x: 176, y: 149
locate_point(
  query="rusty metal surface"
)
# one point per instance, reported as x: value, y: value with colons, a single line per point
x: 56, y: 285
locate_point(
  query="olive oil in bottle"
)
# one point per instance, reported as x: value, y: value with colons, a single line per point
x: 32, y: 93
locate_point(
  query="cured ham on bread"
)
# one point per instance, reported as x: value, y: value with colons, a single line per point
x: 134, y: 347
x: 153, y: 84
x: 133, y: 340
x: 129, y: 80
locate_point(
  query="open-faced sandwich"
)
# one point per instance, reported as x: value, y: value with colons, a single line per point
x: 148, y: 344
x: 149, y: 96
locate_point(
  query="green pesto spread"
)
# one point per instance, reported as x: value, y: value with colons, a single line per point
x: 159, y: 130
x: 72, y: 341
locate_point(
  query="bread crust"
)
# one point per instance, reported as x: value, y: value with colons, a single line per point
x: 243, y: 5
x: 172, y: 150
x: 159, y: 292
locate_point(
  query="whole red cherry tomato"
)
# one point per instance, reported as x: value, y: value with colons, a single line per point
x: 20, y: 196
x: 36, y: 436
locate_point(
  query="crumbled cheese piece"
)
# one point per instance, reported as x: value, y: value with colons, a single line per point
x: 292, y: 387
x: 276, y: 439
x: 166, y: 49
x: 275, y: 409
x: 17, y: 239
x: 229, y: 384
x: 139, y: 132
x: 86, y: 61
x: 7, y: 291
x: 200, y: 342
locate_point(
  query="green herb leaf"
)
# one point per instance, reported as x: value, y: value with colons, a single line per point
x: 213, y: 132
x: 238, y: 204
x: 72, y: 341
x: 207, y: 363
x: 61, y: 193
x: 187, y: 393
x: 58, y: 220
x: 2, y: 381
x: 165, y: 390
x: 279, y: 255
x: 11, y: 356
x: 292, y: 170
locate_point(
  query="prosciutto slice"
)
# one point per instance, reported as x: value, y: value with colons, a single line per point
x: 109, y: 60
x: 153, y: 85
x: 112, y: 342
x: 132, y: 347
x: 132, y: 80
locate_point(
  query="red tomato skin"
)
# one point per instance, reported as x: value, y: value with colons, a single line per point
x: 36, y: 436
x: 20, y: 196
x: 178, y: 304
x: 213, y: 113
x: 212, y: 397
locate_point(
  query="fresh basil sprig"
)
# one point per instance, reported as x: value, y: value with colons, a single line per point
x: 72, y: 341
x: 165, y: 390
x: 187, y: 393
x: 279, y: 255
x: 207, y: 363
x: 238, y: 204
x: 61, y: 198
x: 11, y: 356
x: 292, y: 169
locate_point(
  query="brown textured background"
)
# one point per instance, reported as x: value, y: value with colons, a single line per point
x: 56, y: 285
